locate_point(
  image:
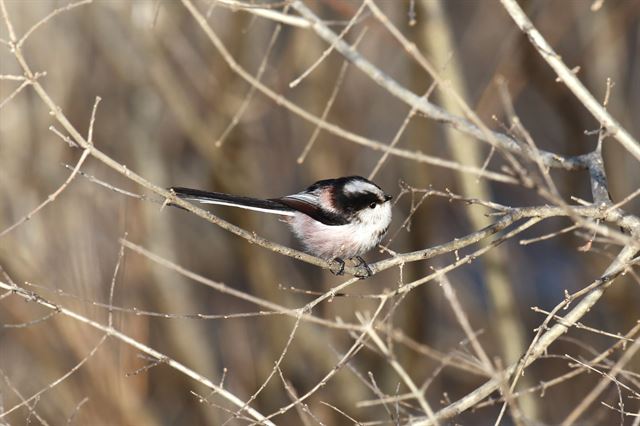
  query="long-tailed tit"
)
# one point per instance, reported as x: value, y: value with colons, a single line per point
x: 335, y: 219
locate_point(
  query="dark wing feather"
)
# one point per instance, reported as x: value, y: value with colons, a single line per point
x: 312, y: 210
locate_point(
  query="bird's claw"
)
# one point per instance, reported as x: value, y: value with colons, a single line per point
x: 361, y: 264
x: 365, y: 265
x: 340, y: 270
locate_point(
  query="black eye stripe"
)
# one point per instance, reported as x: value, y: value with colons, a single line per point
x: 350, y: 194
x: 357, y: 201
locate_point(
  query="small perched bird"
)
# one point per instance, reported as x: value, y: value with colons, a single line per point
x: 335, y: 219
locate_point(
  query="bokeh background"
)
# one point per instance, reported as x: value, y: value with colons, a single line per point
x: 168, y: 97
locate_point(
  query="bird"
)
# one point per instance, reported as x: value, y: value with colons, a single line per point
x: 335, y: 219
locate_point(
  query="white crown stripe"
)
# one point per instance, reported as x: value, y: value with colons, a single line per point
x: 360, y: 186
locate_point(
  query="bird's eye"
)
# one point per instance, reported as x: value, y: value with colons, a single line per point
x: 372, y: 205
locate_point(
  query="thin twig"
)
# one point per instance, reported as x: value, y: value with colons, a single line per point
x: 111, y: 332
x: 569, y: 78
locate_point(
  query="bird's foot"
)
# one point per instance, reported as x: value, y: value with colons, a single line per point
x: 365, y: 265
x: 340, y: 270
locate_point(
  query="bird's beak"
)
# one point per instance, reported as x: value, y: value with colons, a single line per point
x: 388, y: 197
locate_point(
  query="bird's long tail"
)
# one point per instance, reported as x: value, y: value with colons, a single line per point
x: 206, y: 197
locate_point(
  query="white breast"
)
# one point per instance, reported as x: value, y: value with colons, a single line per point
x: 343, y: 241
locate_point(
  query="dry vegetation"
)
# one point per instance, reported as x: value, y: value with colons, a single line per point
x: 507, y: 291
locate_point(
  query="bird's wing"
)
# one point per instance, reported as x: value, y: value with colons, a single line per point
x: 309, y: 204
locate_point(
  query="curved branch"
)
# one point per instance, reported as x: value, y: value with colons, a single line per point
x: 423, y: 105
x: 569, y: 78
x: 110, y: 331
x: 617, y: 267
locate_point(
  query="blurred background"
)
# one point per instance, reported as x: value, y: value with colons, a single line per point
x: 169, y: 112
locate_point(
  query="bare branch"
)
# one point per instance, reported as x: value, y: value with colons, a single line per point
x: 569, y: 78
x: 111, y: 332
